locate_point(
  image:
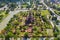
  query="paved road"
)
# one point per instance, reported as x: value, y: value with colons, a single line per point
x: 4, y: 23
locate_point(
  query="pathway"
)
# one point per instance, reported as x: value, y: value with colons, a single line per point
x: 4, y: 23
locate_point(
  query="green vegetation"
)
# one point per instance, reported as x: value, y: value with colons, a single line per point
x: 12, y: 6
x: 45, y: 12
x: 58, y: 5
x: 34, y: 24
x: 2, y: 4
x: 21, y: 25
x: 3, y: 14
x: 57, y: 12
x: 25, y: 5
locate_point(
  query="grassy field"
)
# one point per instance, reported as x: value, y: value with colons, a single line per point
x: 45, y: 12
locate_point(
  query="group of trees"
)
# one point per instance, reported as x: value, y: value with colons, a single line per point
x: 12, y: 6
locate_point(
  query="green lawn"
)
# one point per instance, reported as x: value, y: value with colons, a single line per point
x: 45, y: 12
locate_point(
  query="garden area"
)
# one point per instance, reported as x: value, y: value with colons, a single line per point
x: 28, y: 24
